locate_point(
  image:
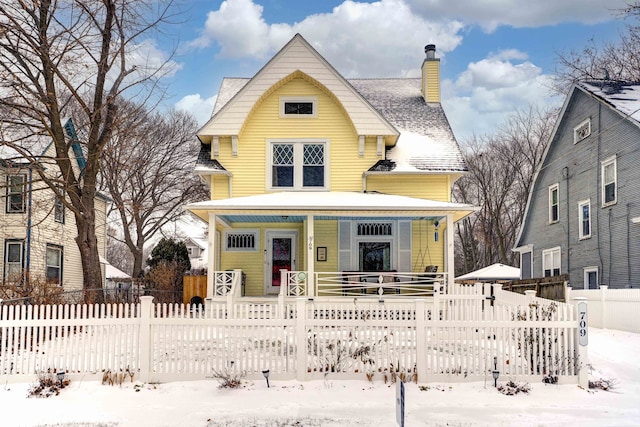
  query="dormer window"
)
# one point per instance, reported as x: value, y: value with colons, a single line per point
x: 298, y: 107
x: 582, y: 131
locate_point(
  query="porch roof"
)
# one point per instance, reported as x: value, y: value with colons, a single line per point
x: 330, y: 204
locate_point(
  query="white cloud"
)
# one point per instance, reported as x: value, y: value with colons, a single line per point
x: 385, y: 37
x: 200, y: 107
x: 488, y: 91
x: 518, y: 13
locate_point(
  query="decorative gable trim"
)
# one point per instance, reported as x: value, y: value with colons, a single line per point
x: 216, y: 146
x: 297, y: 56
x: 361, y: 145
x: 234, y: 146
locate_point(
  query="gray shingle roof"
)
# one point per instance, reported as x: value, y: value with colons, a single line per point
x: 205, y: 161
x: 426, y: 141
x: 623, y: 96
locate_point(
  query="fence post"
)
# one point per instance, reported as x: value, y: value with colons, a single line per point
x: 301, y: 339
x: 604, y: 290
x: 146, y: 309
x: 531, y: 294
x: 421, y: 340
x: 582, y: 340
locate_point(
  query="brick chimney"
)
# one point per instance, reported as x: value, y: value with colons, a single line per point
x: 431, y: 75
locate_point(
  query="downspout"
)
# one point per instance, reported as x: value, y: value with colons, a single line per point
x: 599, y: 194
x: 565, y: 172
x: 364, y: 182
x: 28, y: 236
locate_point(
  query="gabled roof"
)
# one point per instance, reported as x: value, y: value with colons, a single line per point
x: 426, y: 142
x: 493, y: 272
x: 297, y: 56
x: 621, y: 97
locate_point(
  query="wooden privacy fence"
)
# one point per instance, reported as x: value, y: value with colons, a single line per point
x: 452, y: 337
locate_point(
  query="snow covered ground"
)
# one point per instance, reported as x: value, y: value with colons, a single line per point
x: 613, y: 356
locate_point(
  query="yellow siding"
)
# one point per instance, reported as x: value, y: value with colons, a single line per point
x: 425, y: 250
x: 433, y: 81
x: 432, y: 187
x: 253, y: 263
x: 326, y: 235
x: 249, y: 168
x: 219, y: 187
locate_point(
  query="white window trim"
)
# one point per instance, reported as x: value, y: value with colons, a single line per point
x: 60, y: 267
x: 580, y: 219
x: 10, y: 193
x: 5, y: 261
x: 297, y: 163
x: 312, y: 99
x: 392, y: 239
x: 552, y: 251
x: 610, y: 161
x: 256, y: 239
x: 553, y: 187
x: 588, y: 270
x: 576, y: 136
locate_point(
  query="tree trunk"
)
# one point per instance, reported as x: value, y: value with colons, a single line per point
x: 87, y: 242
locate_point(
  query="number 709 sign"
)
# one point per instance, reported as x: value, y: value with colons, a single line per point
x: 583, y: 326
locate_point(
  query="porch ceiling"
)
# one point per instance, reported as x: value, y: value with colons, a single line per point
x: 294, y: 206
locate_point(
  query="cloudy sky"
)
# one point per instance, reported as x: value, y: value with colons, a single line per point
x: 496, y: 55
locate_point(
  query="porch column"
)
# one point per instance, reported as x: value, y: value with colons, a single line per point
x: 449, y: 252
x: 211, y: 255
x: 310, y: 256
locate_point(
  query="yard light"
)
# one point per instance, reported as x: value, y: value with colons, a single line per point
x: 266, y: 376
x: 60, y: 375
x: 495, y: 372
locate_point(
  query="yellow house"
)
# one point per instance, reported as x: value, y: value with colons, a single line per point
x: 37, y: 232
x: 326, y: 186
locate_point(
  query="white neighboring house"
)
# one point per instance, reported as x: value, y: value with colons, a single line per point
x: 117, y: 283
x: 37, y: 232
x: 197, y: 248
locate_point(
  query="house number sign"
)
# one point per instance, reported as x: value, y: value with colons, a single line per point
x: 583, y: 328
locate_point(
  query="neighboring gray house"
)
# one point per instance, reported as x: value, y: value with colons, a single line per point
x: 583, y: 213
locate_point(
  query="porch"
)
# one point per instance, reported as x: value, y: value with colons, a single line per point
x: 329, y: 244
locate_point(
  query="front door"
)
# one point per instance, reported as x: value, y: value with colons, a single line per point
x: 281, y: 254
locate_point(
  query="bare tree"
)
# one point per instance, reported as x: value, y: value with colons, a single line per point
x: 501, y: 171
x: 618, y: 60
x: 85, y: 54
x: 148, y: 170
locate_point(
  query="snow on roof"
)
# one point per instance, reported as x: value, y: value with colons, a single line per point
x: 493, y: 272
x: 426, y: 141
x: 623, y: 96
x: 331, y: 202
x: 110, y: 272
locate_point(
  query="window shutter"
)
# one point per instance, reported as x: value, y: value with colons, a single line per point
x: 525, y: 265
x: 344, y: 246
x: 404, y: 246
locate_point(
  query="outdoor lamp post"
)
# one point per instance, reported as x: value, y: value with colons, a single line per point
x: 495, y: 372
x: 266, y: 376
x: 60, y: 375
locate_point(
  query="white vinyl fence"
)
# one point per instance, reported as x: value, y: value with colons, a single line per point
x: 450, y: 337
x: 612, y: 308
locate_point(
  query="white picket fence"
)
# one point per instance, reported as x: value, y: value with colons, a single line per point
x: 450, y: 337
x: 612, y: 308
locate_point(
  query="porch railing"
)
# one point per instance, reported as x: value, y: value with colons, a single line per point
x: 362, y: 284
